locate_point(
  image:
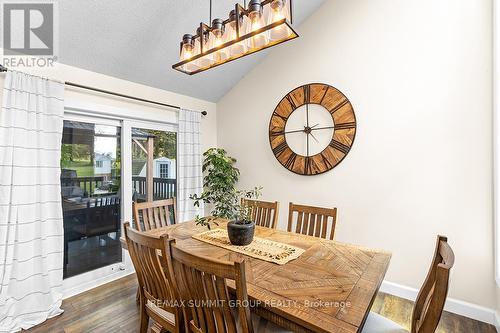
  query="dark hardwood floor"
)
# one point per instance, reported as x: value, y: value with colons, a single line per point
x: 399, y: 310
x: 111, y: 308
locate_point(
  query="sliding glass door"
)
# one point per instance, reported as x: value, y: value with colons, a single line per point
x: 153, y: 158
x: 91, y: 196
x: 106, y: 164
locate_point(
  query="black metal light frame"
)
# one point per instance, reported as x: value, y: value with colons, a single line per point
x: 240, y: 11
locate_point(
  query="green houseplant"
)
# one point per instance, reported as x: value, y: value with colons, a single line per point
x: 219, y: 191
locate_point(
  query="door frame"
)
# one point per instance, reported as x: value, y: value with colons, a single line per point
x: 109, y: 115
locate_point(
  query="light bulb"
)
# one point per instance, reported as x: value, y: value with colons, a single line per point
x: 277, y: 8
x: 217, y: 38
x: 240, y: 47
x: 278, y: 11
x: 255, y: 22
x: 188, y: 51
x: 204, y: 61
x: 187, y: 47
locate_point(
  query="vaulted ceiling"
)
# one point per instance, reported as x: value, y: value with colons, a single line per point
x: 138, y: 40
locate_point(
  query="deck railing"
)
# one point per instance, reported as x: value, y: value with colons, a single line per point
x: 87, y: 184
x: 162, y: 188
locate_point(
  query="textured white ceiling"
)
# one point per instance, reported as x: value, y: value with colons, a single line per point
x: 138, y: 40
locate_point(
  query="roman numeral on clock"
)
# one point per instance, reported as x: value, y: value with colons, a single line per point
x: 339, y: 146
x: 326, y: 161
x: 307, y: 94
x: 276, y: 114
x: 345, y: 126
x: 279, y: 149
x: 308, y: 165
x: 322, y: 98
x: 292, y: 103
x: 291, y: 161
x: 339, y: 106
x: 277, y: 133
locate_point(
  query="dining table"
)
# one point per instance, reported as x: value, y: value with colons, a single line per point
x: 329, y: 288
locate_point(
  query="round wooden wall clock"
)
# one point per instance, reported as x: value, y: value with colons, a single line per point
x: 312, y: 129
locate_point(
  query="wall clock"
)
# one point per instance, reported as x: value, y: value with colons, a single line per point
x: 312, y: 129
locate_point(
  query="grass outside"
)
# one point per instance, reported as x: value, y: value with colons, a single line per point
x: 82, y: 168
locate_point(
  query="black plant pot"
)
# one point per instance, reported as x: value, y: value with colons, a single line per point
x: 240, y: 233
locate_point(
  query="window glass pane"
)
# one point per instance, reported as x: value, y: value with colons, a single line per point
x: 91, y: 199
x: 163, y: 147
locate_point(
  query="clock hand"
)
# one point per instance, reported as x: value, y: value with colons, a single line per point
x: 314, y: 137
x: 307, y: 115
x: 294, y: 131
x: 321, y: 128
x: 307, y: 154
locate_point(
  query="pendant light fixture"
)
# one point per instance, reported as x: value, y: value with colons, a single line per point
x: 264, y: 23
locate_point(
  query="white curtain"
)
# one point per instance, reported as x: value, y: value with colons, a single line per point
x: 189, y: 177
x: 31, y: 221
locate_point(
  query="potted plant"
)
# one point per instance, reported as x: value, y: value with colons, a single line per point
x: 241, y: 228
x: 219, y: 190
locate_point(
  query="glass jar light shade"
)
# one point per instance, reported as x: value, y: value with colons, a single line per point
x: 231, y: 34
x: 278, y: 10
x: 254, y: 21
x: 204, y: 61
x: 189, y: 50
x: 217, y: 38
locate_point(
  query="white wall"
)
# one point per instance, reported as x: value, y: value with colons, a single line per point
x: 496, y: 147
x: 419, y: 74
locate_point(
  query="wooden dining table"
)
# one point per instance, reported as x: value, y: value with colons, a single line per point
x: 329, y: 288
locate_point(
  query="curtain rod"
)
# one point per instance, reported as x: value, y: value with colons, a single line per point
x: 76, y: 85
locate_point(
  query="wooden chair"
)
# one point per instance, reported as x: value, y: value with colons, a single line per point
x: 264, y: 213
x: 202, y: 283
x: 430, y: 300
x: 158, y: 298
x: 312, y: 221
x: 153, y: 215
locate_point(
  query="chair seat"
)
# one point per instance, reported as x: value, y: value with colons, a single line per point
x: 168, y: 316
x: 376, y: 323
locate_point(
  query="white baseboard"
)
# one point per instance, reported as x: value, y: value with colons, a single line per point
x: 497, y: 318
x: 462, y: 308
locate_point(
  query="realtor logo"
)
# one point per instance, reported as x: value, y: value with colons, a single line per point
x: 29, y: 28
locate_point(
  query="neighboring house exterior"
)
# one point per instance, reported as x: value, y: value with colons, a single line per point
x: 102, y: 164
x: 162, y: 168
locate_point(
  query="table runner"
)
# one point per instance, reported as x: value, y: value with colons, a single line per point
x: 260, y: 248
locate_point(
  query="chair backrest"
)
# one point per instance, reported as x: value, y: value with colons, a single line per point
x: 312, y: 221
x: 432, y: 296
x: 201, y: 283
x: 264, y: 213
x: 155, y: 214
x: 150, y: 259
